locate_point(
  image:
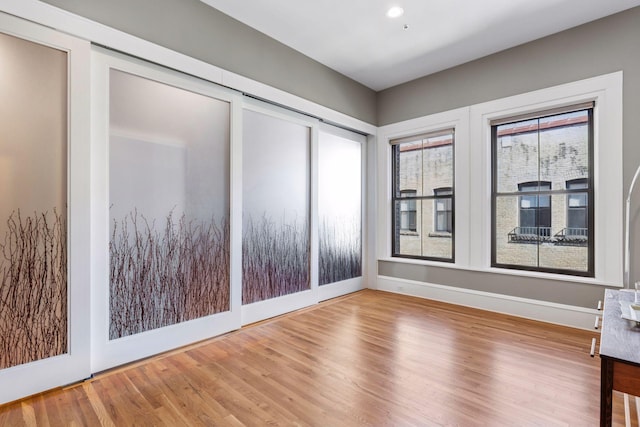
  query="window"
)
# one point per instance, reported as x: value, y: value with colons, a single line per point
x: 408, y: 211
x: 423, y: 196
x: 535, y: 210
x: 443, y: 218
x: 532, y: 157
x: 577, y: 209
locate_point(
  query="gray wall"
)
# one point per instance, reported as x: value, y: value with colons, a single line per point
x: 600, y: 47
x: 195, y: 29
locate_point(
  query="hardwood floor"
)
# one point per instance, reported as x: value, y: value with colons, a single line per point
x: 370, y: 359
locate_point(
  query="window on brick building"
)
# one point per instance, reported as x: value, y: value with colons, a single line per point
x: 408, y: 211
x: 443, y: 216
x: 535, y: 209
x: 541, y: 220
x: 577, y: 208
x: 423, y: 196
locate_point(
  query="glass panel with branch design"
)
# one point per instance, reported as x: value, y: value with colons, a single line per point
x: 33, y: 208
x: 339, y: 208
x: 169, y: 213
x: 276, y: 197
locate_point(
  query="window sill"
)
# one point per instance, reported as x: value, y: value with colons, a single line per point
x: 440, y: 234
x: 495, y: 270
x: 409, y: 233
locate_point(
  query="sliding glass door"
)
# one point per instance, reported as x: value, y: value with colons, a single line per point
x: 340, y: 189
x: 276, y: 217
x: 44, y: 339
x: 168, y: 149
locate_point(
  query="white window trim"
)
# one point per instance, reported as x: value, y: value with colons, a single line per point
x: 606, y: 92
x: 473, y: 233
x: 458, y: 120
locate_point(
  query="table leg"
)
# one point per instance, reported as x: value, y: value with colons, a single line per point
x: 606, y: 391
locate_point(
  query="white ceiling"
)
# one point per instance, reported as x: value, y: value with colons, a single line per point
x: 355, y: 38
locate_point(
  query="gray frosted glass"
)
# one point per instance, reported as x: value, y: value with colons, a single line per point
x: 276, y: 158
x: 169, y: 205
x: 339, y: 208
x: 33, y: 202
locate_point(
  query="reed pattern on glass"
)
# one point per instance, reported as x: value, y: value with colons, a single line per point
x: 167, y: 276
x: 33, y: 288
x: 275, y: 258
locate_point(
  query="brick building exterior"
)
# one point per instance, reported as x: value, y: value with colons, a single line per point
x: 553, y: 154
x: 425, y: 169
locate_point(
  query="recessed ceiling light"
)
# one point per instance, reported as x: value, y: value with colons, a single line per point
x: 395, y: 12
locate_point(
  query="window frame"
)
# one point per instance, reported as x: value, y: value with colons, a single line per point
x: 495, y: 194
x: 396, y: 196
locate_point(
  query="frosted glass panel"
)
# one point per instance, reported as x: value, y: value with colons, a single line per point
x: 169, y: 205
x: 33, y: 202
x: 339, y: 208
x: 275, y: 207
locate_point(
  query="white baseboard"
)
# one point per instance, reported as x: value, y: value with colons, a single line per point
x: 560, y: 314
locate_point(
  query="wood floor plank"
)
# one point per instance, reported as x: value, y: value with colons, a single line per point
x: 369, y: 359
x: 97, y: 406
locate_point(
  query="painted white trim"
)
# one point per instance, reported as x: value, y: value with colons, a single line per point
x: 278, y: 112
x: 371, y: 214
x: 343, y: 133
x: 127, y: 349
x: 560, y: 314
x: 606, y: 91
x: 34, y: 377
x: 266, y: 309
x: 235, y: 208
x: 337, y: 289
x: 457, y: 119
x: 295, y: 102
